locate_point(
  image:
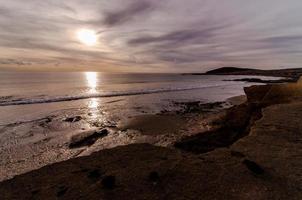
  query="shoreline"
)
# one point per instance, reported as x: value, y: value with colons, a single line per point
x: 260, y: 101
x: 160, y: 129
x: 262, y: 164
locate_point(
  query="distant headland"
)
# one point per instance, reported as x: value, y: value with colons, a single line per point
x: 292, y: 73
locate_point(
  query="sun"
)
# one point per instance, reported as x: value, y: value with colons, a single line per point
x: 87, y: 37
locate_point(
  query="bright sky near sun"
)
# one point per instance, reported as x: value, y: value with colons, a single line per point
x: 149, y: 35
x: 87, y: 37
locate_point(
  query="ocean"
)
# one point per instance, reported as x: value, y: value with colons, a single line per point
x: 47, y: 91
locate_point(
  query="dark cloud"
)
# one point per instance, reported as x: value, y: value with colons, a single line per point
x: 121, y: 16
x: 179, y: 37
x: 14, y: 62
x: 175, y: 37
x: 177, y: 46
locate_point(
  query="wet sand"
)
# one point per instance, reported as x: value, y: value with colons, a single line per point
x: 74, y: 132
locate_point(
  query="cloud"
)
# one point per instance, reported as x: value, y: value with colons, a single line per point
x: 175, y: 37
x: 128, y: 13
x: 282, y: 41
x: 142, y: 35
x: 180, y: 37
x: 14, y: 62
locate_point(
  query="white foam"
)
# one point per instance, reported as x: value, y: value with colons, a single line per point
x: 109, y: 94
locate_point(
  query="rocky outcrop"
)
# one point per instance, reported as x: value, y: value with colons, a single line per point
x: 231, y: 127
x: 73, y: 119
x: 239, y: 119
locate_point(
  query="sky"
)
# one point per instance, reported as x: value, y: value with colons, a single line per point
x: 150, y: 35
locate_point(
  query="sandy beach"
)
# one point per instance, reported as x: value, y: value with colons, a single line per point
x: 47, y: 118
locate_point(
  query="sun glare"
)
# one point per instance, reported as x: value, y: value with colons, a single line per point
x: 87, y: 37
x: 91, y: 78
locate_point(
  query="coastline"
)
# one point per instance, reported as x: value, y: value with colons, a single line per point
x: 60, y: 136
x: 237, y: 161
x: 51, y: 146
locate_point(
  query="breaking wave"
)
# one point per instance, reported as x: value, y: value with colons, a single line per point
x: 39, y: 100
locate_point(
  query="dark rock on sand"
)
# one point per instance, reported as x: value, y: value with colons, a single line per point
x: 73, y: 119
x: 252, y: 166
x: 197, y: 107
x: 87, y: 138
x: 45, y: 121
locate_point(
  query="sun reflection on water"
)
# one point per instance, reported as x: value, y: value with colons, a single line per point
x: 93, y: 104
x: 91, y: 78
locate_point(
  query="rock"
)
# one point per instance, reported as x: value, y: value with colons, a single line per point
x: 87, y: 138
x: 208, y: 141
x: 197, y: 107
x: 73, y: 119
x: 255, y: 94
x: 239, y: 119
x: 44, y: 122
x: 253, y: 167
x: 108, y: 182
x: 232, y: 127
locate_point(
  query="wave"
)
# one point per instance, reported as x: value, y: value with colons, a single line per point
x: 109, y: 94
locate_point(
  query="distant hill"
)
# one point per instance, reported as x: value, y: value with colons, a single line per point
x: 293, y: 73
x: 225, y: 70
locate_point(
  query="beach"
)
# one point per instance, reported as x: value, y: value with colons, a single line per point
x: 262, y: 161
x: 183, y: 150
x: 41, y: 114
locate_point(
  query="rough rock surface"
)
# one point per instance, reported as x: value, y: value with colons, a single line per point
x: 265, y: 164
